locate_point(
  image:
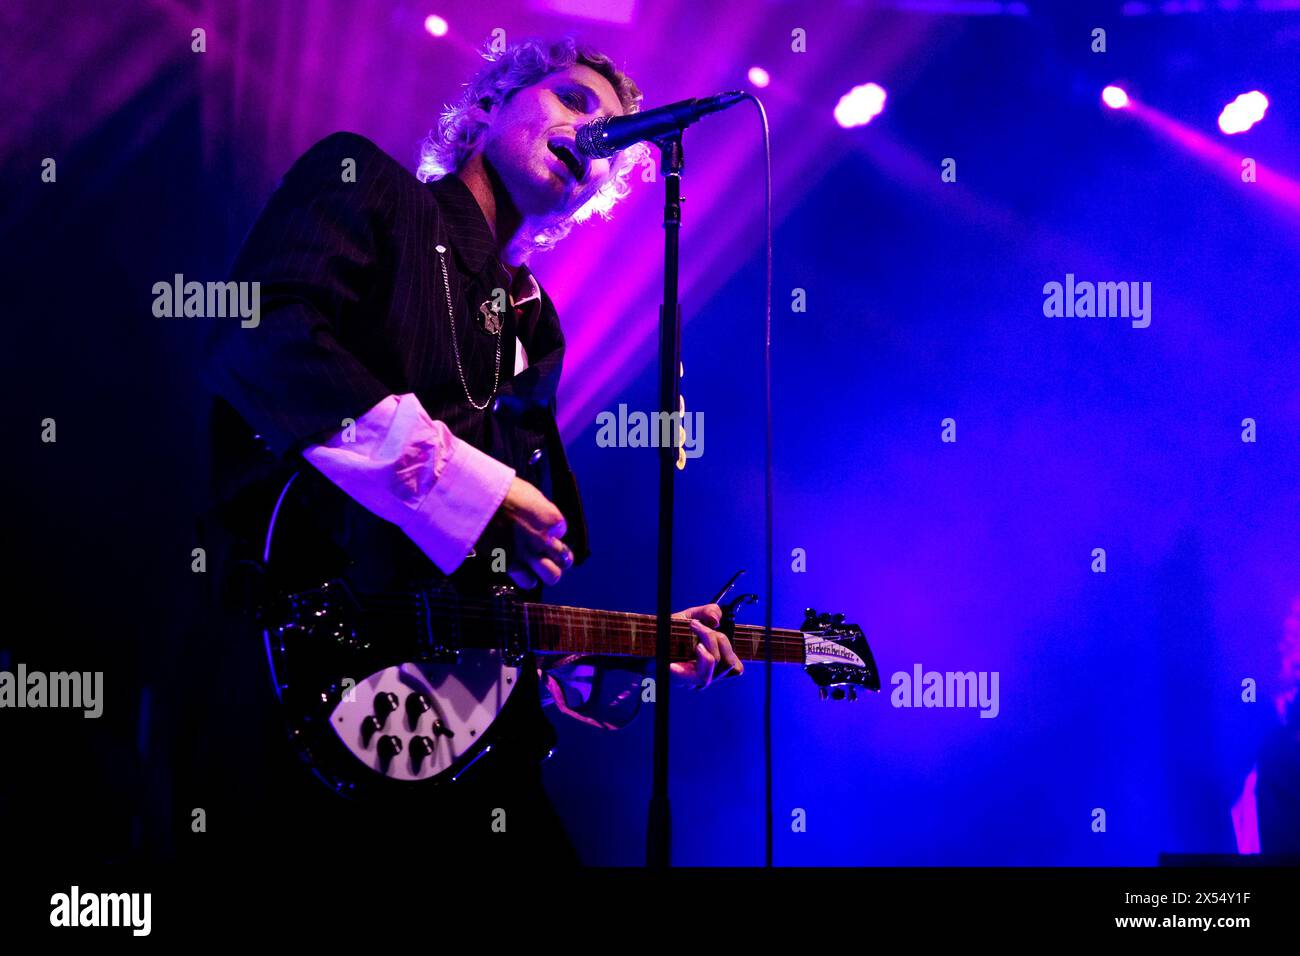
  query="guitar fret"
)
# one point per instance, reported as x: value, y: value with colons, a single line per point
x: 550, y: 628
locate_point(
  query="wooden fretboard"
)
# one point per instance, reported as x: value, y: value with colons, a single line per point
x: 576, y: 630
x: 557, y: 629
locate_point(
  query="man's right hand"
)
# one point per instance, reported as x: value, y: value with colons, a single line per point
x: 536, y: 527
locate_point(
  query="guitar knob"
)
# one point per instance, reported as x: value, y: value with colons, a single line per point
x: 369, y: 727
x: 821, y: 694
x: 421, y: 747
x: 416, y: 705
x: 385, y: 704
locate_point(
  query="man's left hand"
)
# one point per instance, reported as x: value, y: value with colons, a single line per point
x: 714, y: 657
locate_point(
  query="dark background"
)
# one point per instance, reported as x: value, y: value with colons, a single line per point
x: 1120, y: 691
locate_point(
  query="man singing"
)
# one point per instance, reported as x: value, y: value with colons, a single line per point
x: 395, y: 309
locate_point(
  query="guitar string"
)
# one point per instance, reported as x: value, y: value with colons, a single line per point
x: 414, y: 602
x: 614, y: 635
x: 616, y: 630
x: 616, y: 618
x: 407, y: 606
x: 620, y: 624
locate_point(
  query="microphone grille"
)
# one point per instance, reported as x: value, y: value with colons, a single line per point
x: 590, y: 139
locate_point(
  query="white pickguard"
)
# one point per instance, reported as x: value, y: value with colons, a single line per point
x: 466, y: 697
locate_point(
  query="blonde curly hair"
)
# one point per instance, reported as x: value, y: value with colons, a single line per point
x: 461, y: 131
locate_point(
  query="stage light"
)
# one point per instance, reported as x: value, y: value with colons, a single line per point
x: 1114, y: 97
x: 436, y: 25
x: 758, y: 76
x: 1243, y: 112
x: 860, y: 105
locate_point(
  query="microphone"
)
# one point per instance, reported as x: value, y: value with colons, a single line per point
x: 607, y: 135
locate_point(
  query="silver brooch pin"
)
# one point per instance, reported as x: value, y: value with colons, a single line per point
x: 489, y: 318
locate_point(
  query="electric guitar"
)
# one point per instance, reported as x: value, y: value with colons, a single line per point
x: 393, y: 677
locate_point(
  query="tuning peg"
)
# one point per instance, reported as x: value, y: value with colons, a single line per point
x: 853, y: 694
x: 837, y: 619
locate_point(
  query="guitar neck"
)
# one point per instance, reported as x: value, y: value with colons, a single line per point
x: 557, y: 629
x: 552, y: 628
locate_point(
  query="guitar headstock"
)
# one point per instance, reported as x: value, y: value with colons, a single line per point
x: 836, y: 656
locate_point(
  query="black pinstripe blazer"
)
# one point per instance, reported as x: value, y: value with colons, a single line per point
x: 353, y: 309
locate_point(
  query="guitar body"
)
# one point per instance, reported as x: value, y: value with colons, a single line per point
x: 395, y: 679
x: 375, y: 699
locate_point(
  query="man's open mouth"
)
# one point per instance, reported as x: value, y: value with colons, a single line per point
x: 570, y: 158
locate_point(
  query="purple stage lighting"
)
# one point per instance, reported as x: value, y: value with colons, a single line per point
x: 1114, y: 97
x: 1243, y: 112
x: 860, y: 105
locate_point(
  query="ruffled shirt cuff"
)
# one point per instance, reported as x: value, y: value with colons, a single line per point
x: 406, y: 468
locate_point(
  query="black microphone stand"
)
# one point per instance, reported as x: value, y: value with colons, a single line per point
x: 659, y: 824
